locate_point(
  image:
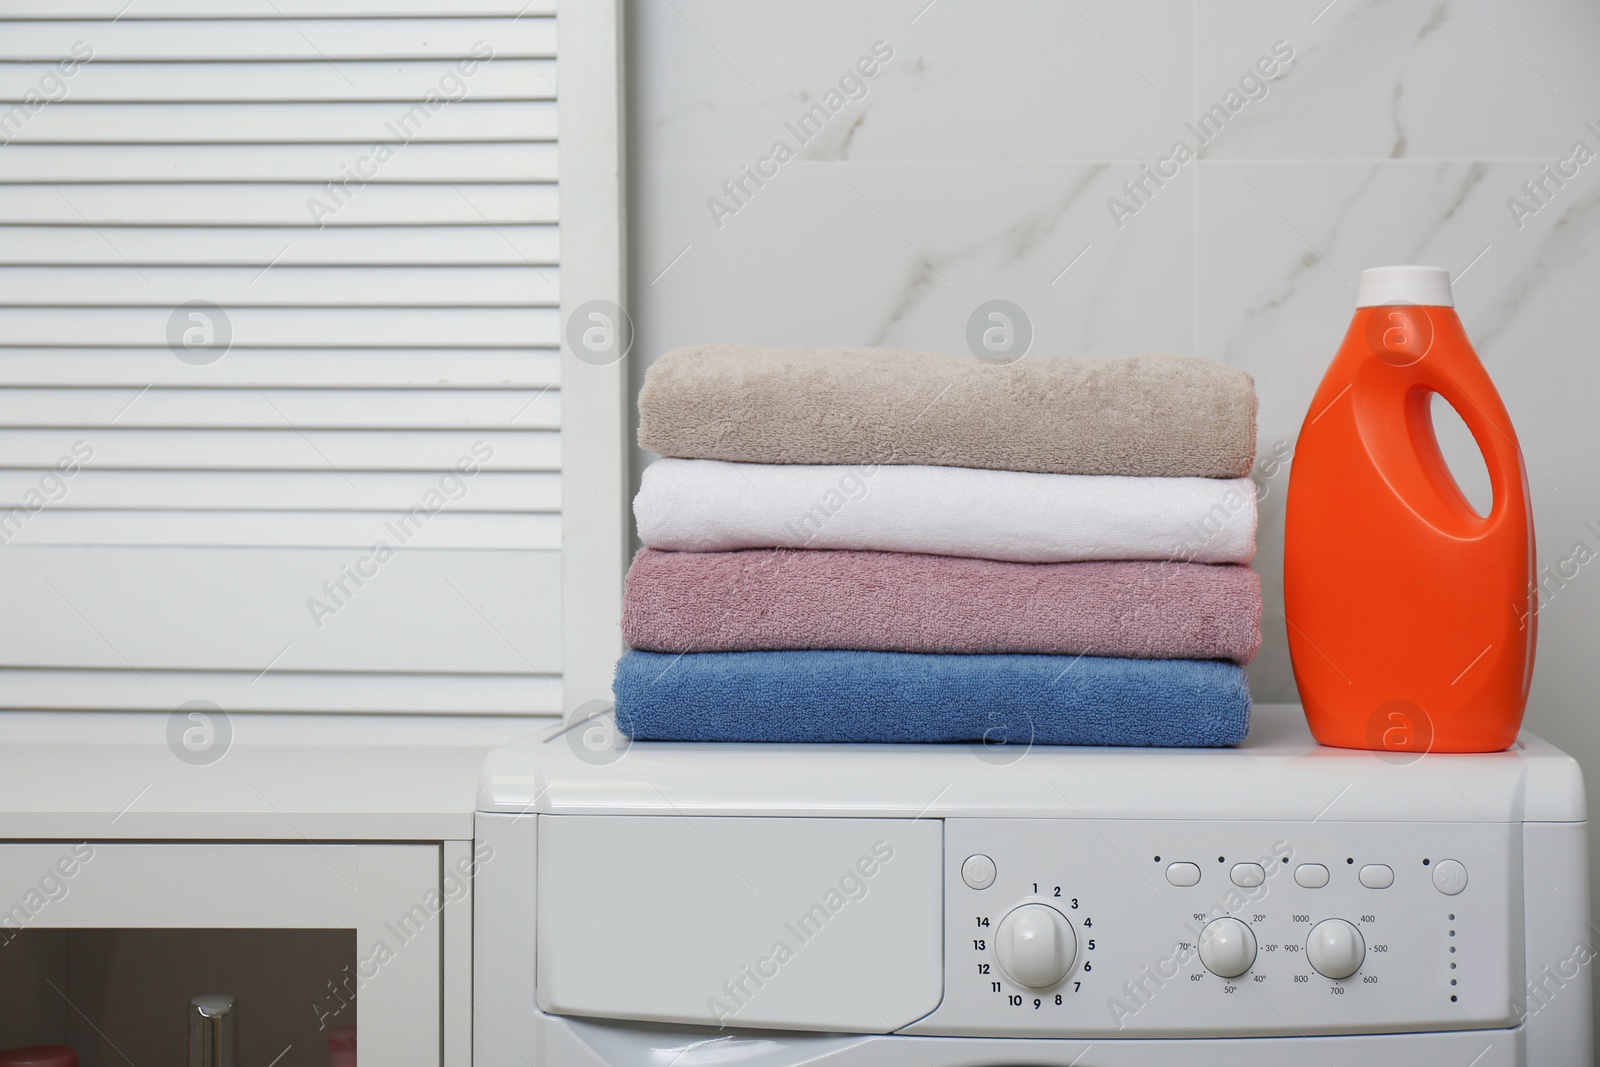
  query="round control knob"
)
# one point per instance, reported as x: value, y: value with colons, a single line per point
x: 1227, y: 947
x: 1035, y: 946
x: 1336, y: 948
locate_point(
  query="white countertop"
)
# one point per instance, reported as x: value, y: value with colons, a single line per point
x: 111, y: 776
x: 100, y: 775
x: 1279, y: 772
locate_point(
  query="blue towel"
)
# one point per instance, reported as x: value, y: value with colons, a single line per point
x: 902, y: 697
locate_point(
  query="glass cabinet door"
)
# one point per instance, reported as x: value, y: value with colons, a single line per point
x: 104, y: 945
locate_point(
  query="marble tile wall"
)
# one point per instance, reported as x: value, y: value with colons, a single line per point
x: 979, y: 161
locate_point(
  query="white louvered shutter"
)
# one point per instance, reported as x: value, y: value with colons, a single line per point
x: 384, y: 331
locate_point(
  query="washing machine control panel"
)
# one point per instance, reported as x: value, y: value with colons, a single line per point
x: 1128, y: 928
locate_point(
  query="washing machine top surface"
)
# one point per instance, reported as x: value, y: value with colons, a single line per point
x: 582, y: 767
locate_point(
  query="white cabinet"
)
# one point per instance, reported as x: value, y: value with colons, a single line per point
x: 320, y: 872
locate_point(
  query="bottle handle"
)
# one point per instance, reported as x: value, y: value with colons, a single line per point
x: 1502, y: 456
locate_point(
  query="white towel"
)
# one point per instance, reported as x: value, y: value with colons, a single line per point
x: 703, y: 505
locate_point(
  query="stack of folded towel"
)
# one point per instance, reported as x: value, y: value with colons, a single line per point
x: 886, y: 546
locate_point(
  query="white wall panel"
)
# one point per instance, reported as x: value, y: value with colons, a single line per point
x: 267, y: 247
x: 284, y: 490
x: 440, y: 368
x: 200, y: 528
x: 314, y: 80
x: 462, y: 120
x: 430, y: 327
x: 272, y: 409
x: 230, y: 609
x: 389, y: 692
x: 281, y: 204
x: 273, y: 37
x: 501, y: 162
x: 367, y: 189
x: 340, y: 451
x: 294, y: 287
x: 252, y: 9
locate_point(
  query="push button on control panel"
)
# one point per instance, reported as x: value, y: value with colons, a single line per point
x: 1377, y: 876
x: 1311, y: 875
x: 1183, y: 873
x: 1247, y: 875
x: 1449, y: 877
x: 978, y: 872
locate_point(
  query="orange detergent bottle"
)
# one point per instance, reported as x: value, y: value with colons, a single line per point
x: 1411, y: 617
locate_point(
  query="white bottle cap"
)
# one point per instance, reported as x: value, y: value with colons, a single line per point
x: 1405, y: 285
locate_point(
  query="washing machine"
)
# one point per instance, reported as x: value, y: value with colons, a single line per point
x: 956, y: 906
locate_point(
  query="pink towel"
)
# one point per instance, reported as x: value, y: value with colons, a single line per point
x: 767, y: 599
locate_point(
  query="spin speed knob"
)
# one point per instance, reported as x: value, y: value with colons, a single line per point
x: 1036, y: 946
x: 1227, y: 947
x: 1336, y: 948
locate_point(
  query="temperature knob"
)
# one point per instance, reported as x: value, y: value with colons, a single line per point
x: 1227, y: 947
x: 1036, y: 946
x: 1336, y: 948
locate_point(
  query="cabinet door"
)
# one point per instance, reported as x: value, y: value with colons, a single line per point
x: 389, y: 895
x: 274, y: 293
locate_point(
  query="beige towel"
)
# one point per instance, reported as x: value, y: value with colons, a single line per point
x: 1146, y: 416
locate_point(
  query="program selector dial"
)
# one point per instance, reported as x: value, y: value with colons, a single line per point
x: 1036, y: 946
x: 1227, y: 947
x: 1336, y: 948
